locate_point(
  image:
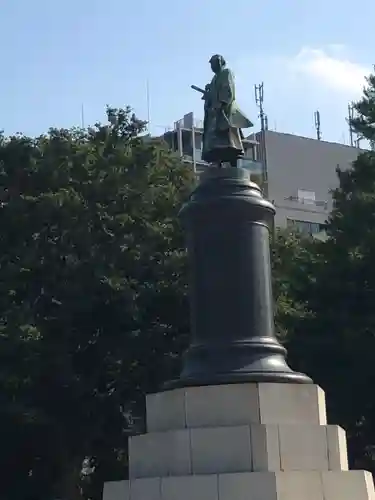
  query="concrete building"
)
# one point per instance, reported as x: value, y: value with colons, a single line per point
x: 296, y: 173
x: 300, y: 174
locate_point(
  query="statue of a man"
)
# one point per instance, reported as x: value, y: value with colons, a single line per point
x: 223, y: 120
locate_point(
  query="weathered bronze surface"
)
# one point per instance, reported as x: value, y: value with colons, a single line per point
x: 223, y: 120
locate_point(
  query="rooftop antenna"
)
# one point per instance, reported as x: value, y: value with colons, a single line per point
x: 82, y: 116
x: 317, y: 125
x: 350, y: 118
x: 148, y: 105
x: 259, y: 99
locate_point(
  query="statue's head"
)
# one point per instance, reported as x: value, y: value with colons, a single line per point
x: 217, y: 63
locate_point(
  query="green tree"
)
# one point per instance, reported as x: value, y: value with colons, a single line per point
x: 364, y: 122
x: 293, y: 258
x: 93, y: 309
x: 337, y: 347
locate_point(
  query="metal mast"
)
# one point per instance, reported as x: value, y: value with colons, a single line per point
x: 317, y: 125
x: 350, y: 118
x: 259, y: 99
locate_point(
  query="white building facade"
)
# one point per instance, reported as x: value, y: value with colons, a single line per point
x: 301, y: 173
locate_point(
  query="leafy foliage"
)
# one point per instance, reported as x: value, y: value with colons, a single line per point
x: 364, y: 123
x: 92, y: 269
x: 338, y: 344
x: 293, y: 257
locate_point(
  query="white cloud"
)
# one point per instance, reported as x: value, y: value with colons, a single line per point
x: 324, y: 78
x: 330, y: 68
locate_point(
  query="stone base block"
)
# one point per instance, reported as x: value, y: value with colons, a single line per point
x: 245, y: 448
x: 237, y: 404
x: 350, y: 485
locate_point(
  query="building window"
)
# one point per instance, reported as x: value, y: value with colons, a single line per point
x: 198, y: 141
x: 306, y: 196
x: 305, y: 227
x: 250, y: 151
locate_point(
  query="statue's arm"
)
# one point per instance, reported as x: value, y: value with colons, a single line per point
x: 226, y: 87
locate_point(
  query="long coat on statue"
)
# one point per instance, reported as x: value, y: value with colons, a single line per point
x: 223, y: 120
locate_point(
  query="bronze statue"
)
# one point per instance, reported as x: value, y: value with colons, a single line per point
x: 223, y: 120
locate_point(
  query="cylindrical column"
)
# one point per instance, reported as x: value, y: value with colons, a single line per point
x: 227, y: 224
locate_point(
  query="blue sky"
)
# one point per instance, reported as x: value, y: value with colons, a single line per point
x: 57, y: 56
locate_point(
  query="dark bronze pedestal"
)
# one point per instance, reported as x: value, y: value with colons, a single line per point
x: 227, y: 224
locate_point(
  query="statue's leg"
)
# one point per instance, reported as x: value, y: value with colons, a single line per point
x: 233, y: 163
